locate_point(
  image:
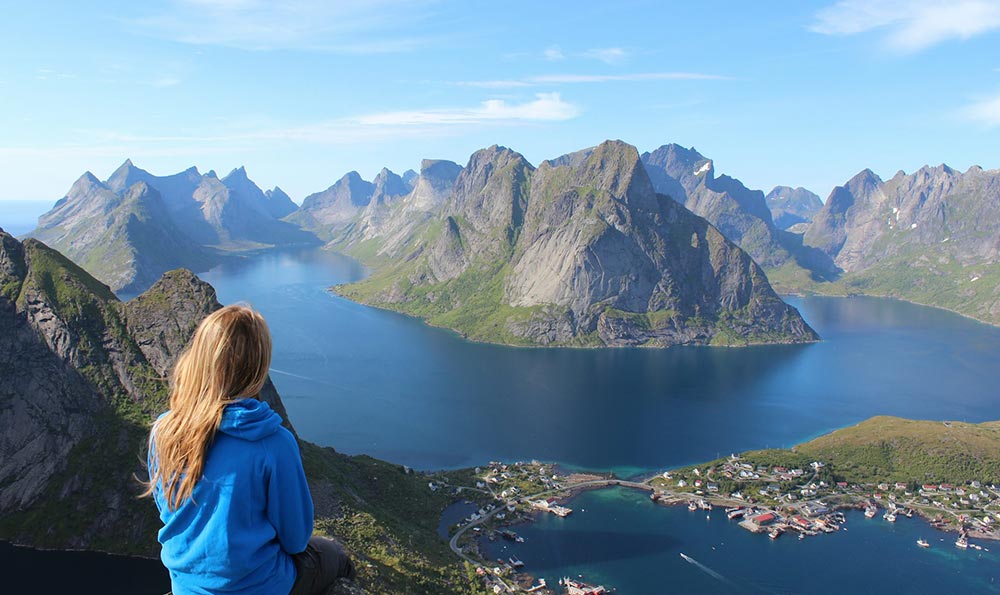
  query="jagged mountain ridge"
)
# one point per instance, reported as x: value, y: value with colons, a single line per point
x: 130, y: 229
x: 328, y: 212
x: 82, y: 375
x: 741, y: 214
x: 580, y: 251
x: 792, y: 206
x: 930, y: 237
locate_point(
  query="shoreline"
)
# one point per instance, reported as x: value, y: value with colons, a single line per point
x: 826, y: 522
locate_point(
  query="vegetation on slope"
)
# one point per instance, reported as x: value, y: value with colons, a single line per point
x: 891, y: 449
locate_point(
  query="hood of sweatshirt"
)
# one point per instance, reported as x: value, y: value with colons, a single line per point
x: 249, y: 419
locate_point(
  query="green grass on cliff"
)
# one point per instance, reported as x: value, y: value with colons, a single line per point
x: 388, y: 518
x: 886, y: 449
x: 894, y: 449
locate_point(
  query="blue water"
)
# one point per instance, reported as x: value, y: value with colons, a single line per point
x: 619, y: 538
x: 18, y: 217
x: 369, y: 381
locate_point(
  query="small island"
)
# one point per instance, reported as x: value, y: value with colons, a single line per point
x: 943, y: 472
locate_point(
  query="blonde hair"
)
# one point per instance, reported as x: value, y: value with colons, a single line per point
x: 227, y: 359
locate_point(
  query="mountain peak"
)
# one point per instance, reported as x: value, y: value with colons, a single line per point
x: 240, y: 173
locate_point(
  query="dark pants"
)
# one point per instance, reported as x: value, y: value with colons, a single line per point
x: 323, y: 562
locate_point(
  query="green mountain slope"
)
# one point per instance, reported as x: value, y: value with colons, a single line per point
x: 584, y: 253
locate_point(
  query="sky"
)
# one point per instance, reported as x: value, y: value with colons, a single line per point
x: 791, y: 92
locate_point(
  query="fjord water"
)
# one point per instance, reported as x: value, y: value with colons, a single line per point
x: 619, y: 537
x: 370, y: 381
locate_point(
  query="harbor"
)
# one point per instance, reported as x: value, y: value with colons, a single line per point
x: 619, y: 539
x: 514, y: 495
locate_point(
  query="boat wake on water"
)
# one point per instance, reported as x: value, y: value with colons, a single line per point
x: 706, y: 569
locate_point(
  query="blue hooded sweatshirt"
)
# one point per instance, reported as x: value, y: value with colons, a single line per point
x: 250, y: 511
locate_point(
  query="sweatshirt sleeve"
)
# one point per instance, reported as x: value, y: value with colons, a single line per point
x: 289, y: 503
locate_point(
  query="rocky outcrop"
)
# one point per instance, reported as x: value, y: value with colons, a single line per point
x: 792, y: 206
x: 580, y: 251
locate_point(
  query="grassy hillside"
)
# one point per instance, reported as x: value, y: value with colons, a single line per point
x: 893, y: 449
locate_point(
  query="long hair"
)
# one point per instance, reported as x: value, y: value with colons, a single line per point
x: 227, y: 359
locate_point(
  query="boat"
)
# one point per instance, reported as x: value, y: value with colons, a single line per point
x: 515, y: 562
x: 802, y: 536
x: 692, y: 506
x: 775, y: 533
x: 509, y: 535
x: 962, y: 543
x: 735, y: 513
x: 923, y: 542
x: 704, y: 504
x: 870, y: 511
x: 890, y: 516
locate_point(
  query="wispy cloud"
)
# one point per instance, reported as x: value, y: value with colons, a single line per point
x: 553, y: 53
x: 607, y: 55
x: 344, y: 26
x: 910, y: 25
x: 985, y: 112
x: 545, y: 107
x: 555, y: 79
x: 365, y: 128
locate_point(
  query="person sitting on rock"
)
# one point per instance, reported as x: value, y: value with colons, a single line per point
x: 227, y: 478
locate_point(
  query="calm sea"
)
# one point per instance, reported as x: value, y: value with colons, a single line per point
x: 369, y: 381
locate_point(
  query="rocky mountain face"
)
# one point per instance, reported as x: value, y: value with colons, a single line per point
x: 329, y: 212
x: 279, y: 204
x: 581, y: 251
x: 392, y: 219
x: 130, y: 229
x: 930, y: 236
x: 741, y: 214
x: 82, y: 376
x: 792, y: 207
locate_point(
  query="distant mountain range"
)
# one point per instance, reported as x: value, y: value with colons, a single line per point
x: 446, y: 222
x: 932, y: 237
x: 792, y: 208
x: 134, y: 226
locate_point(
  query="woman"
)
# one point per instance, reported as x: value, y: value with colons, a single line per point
x: 227, y: 478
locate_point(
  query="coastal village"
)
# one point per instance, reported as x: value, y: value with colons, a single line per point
x: 771, y: 499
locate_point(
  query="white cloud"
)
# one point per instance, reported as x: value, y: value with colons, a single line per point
x: 553, y: 53
x: 985, y: 111
x: 910, y: 25
x: 344, y: 26
x: 550, y: 79
x: 545, y: 107
x: 379, y: 127
x: 607, y: 55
